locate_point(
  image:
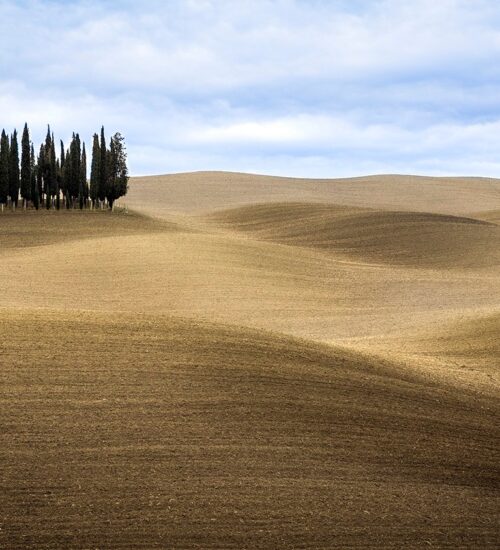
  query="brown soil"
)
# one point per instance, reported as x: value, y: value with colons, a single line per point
x: 308, y: 375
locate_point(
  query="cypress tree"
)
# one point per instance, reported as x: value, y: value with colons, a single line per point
x: 14, y: 170
x: 117, y: 169
x: 67, y: 176
x: 77, y: 167
x: 73, y: 168
x: 82, y: 178
x: 4, y: 168
x: 103, y: 161
x: 95, y: 170
x: 83, y: 173
x: 35, y: 196
x: 62, y: 181
x: 111, y: 173
x: 47, y: 176
x: 71, y: 171
x: 58, y: 180
x: 26, y: 166
x: 53, y: 187
x: 53, y: 168
x: 39, y: 173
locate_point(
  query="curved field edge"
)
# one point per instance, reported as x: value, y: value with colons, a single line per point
x: 27, y: 229
x: 464, y: 351
x: 414, y: 239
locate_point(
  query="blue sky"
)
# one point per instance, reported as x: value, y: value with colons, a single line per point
x: 288, y: 87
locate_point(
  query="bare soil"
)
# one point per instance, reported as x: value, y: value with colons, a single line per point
x: 265, y: 363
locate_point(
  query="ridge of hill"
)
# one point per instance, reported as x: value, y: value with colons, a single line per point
x: 203, y: 192
x: 401, y: 238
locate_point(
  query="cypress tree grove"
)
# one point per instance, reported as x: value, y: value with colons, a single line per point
x: 47, y: 178
x: 26, y: 186
x: 14, y: 170
x: 4, y: 169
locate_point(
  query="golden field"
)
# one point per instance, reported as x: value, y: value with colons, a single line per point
x: 244, y: 361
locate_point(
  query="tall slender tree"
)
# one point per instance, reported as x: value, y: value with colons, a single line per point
x: 40, y: 165
x: 26, y: 166
x: 47, y: 169
x: 14, y: 170
x: 103, y: 163
x: 54, y: 188
x: 82, y: 178
x: 95, y: 174
x: 83, y: 173
x: 4, y: 168
x: 117, y: 170
x: 35, y: 196
x: 58, y: 180
x: 62, y: 181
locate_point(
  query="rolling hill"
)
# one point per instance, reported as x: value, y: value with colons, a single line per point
x: 398, y: 238
x: 126, y: 431
x: 252, y: 362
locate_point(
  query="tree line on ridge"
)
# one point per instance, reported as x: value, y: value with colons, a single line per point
x: 60, y: 181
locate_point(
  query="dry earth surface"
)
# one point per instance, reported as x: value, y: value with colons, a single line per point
x: 244, y: 361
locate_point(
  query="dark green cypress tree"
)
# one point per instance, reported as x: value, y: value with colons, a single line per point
x: 122, y: 176
x: 82, y: 178
x: 111, y: 173
x: 14, y: 170
x: 4, y: 168
x: 103, y: 162
x: 62, y: 181
x: 47, y: 175
x: 95, y: 171
x: 40, y: 166
x: 83, y: 173
x: 117, y: 169
x: 67, y: 177
x: 77, y: 167
x: 58, y: 180
x: 73, y: 163
x: 53, y: 168
x: 26, y: 166
x: 35, y: 195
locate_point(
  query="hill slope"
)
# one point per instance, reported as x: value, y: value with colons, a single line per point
x: 464, y: 351
x: 129, y: 420
x: 203, y: 192
x: 400, y: 238
x: 148, y: 432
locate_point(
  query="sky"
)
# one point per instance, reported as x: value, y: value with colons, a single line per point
x: 310, y: 88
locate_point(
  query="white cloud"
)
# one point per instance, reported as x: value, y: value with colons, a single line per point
x: 284, y: 84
